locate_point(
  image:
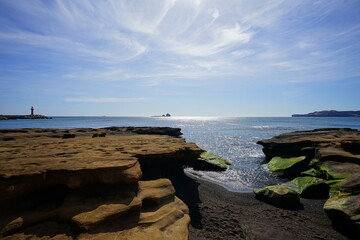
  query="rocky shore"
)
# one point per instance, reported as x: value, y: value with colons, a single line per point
x: 129, y: 183
x: 109, y: 183
x: 320, y: 164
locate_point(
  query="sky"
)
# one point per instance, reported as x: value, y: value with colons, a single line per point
x: 185, y: 57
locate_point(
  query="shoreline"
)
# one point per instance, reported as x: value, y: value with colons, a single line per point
x: 151, y: 173
x: 239, y: 215
x: 223, y: 185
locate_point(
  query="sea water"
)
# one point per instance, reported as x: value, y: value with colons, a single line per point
x: 232, y: 138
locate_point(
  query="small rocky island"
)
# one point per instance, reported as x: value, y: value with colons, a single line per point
x: 319, y: 164
x: 331, y: 113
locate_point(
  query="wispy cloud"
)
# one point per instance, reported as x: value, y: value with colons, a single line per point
x: 104, y: 100
x: 155, y: 41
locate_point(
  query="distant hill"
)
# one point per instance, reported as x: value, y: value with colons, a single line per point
x: 331, y: 113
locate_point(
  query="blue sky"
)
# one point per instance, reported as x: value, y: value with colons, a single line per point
x: 186, y: 57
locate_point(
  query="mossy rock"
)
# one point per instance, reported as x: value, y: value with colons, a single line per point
x: 287, y: 167
x: 335, y: 189
x: 338, y: 170
x: 344, y: 212
x: 279, y: 196
x: 210, y: 162
x: 347, y: 186
x: 311, y: 187
x: 312, y: 173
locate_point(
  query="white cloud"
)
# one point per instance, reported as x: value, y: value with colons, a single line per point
x: 103, y: 100
x: 160, y: 40
x: 242, y: 53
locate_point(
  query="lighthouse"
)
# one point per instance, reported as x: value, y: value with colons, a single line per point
x: 32, y: 111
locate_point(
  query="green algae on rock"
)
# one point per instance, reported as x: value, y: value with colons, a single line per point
x: 335, y: 154
x: 279, y: 196
x: 312, y: 173
x: 311, y: 187
x: 286, y: 166
x: 211, y: 162
x: 339, y: 170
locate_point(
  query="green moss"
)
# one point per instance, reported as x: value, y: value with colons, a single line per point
x: 304, y: 184
x: 314, y: 162
x: 214, y: 160
x: 312, y: 173
x: 344, y: 210
x: 280, y: 196
x: 335, y: 189
x: 279, y: 165
x: 345, y: 203
x: 332, y: 175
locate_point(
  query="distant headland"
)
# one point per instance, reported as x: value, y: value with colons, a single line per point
x: 31, y: 116
x: 331, y: 113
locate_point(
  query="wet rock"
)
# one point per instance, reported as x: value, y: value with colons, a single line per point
x: 210, y: 162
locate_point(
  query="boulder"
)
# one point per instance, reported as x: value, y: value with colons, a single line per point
x: 344, y: 212
x: 279, y: 196
x: 210, y: 162
x: 287, y: 167
x: 311, y: 187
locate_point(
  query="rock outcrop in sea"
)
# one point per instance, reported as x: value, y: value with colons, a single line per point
x: 14, y: 117
x: 109, y: 183
x: 323, y: 163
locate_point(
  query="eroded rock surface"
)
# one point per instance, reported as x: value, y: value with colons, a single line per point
x: 332, y: 170
x: 88, y: 183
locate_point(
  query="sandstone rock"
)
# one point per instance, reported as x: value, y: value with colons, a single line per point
x: 210, y: 162
x: 280, y: 196
x: 156, y: 192
x: 87, y: 187
x: 304, y: 143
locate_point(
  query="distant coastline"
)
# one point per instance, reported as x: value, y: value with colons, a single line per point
x: 331, y: 113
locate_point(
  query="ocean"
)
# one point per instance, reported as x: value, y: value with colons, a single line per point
x: 232, y: 138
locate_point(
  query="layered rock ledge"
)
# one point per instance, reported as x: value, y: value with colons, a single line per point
x: 109, y: 183
x: 323, y: 163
